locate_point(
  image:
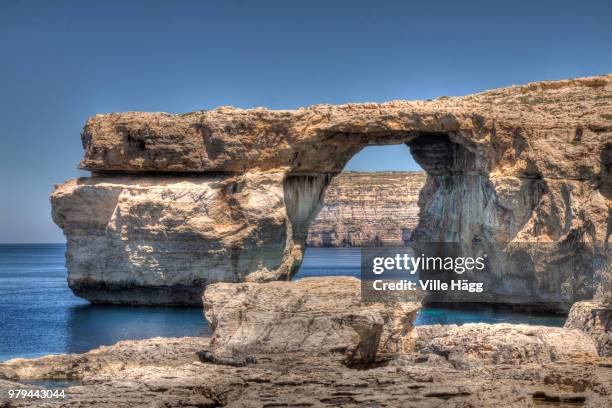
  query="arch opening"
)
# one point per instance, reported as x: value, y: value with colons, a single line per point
x: 372, y: 202
x: 454, y: 200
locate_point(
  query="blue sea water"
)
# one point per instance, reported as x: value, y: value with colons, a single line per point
x: 346, y: 261
x: 39, y: 314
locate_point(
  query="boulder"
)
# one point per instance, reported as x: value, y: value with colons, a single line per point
x: 311, y: 315
x: 474, y: 345
x: 594, y: 319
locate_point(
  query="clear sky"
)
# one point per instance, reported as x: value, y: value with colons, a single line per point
x: 61, y: 62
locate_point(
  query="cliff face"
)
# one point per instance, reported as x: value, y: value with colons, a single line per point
x: 524, y: 164
x: 546, y: 234
x: 143, y: 240
x: 366, y: 209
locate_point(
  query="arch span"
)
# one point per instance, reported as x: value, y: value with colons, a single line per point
x: 227, y: 194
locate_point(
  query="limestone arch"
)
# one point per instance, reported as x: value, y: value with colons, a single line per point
x: 459, y: 204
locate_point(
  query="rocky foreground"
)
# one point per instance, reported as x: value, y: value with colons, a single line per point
x: 311, y: 343
x: 521, y: 369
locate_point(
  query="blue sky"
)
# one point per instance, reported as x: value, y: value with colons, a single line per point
x: 61, y: 62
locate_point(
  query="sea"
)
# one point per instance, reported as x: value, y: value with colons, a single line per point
x: 39, y: 314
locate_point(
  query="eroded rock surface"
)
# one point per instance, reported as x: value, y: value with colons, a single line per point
x: 168, y: 373
x: 311, y: 315
x: 170, y: 352
x: 594, y: 319
x: 161, y: 240
x: 525, y: 164
x: 321, y: 138
x: 469, y: 346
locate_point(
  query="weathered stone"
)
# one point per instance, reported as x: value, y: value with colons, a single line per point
x: 168, y: 373
x: 498, y: 124
x: 595, y: 319
x: 471, y: 346
x: 604, y: 290
x: 313, y: 315
x: 368, y: 209
x: 146, y: 240
x: 525, y: 164
x: 170, y: 352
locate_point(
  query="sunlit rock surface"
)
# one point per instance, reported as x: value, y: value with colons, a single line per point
x: 144, y: 240
x: 517, y: 366
x: 469, y: 346
x: 524, y: 164
x: 313, y: 315
x: 594, y: 319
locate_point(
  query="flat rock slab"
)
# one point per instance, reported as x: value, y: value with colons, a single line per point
x: 168, y: 373
x: 314, y: 315
x: 322, y: 138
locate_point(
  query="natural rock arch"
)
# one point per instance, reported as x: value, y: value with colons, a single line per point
x: 227, y: 194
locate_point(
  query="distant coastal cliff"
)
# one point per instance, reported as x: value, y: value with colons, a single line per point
x: 363, y: 209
